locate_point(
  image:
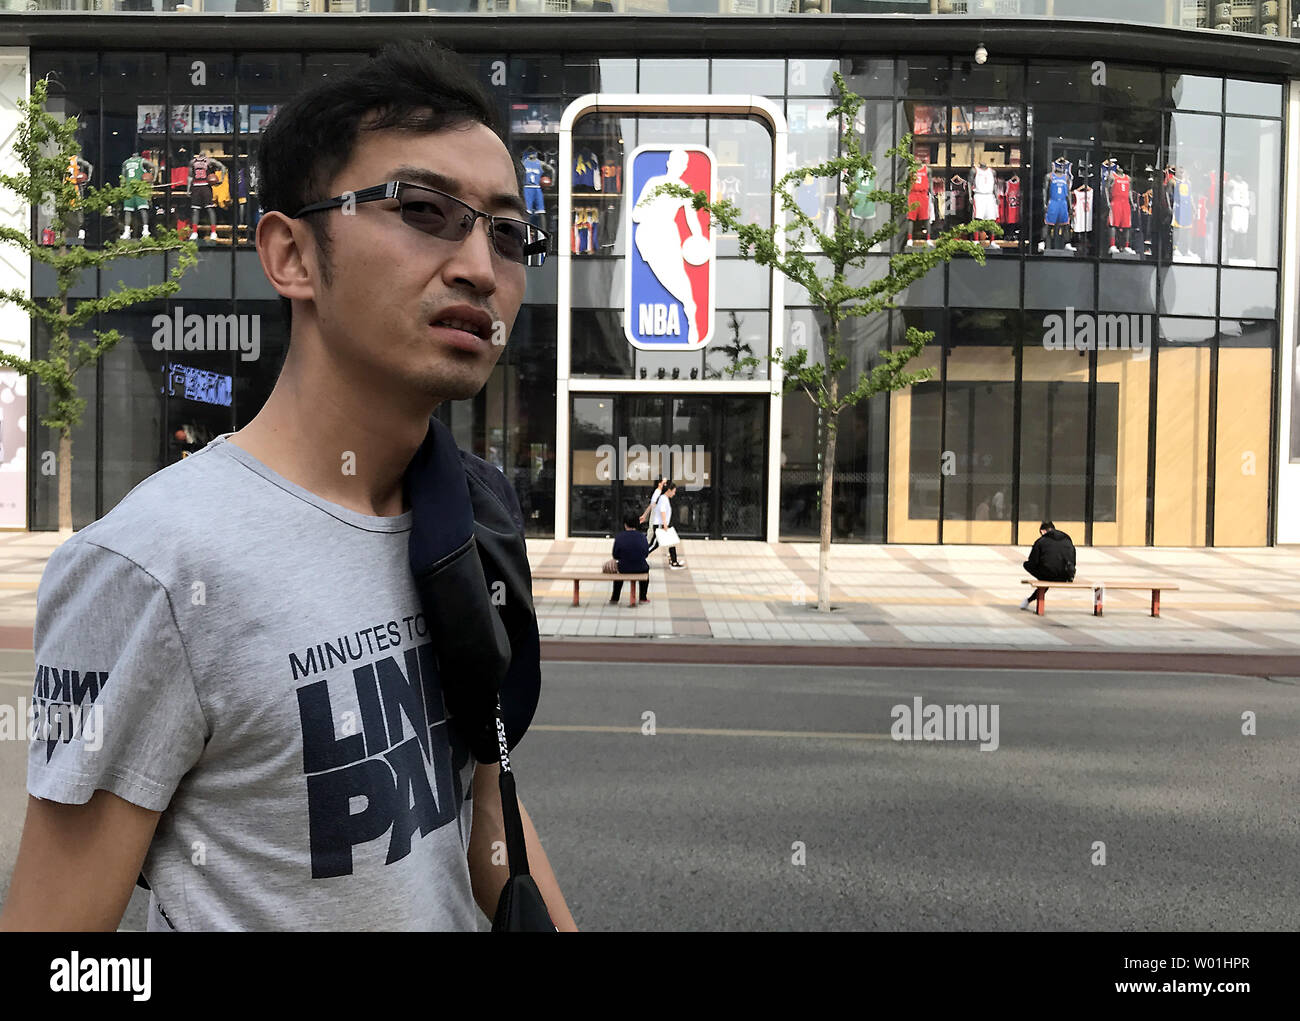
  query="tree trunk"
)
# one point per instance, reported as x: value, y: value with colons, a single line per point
x: 828, y: 480
x: 65, y: 482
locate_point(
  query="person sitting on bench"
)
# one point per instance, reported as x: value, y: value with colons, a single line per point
x: 1051, y: 559
x: 630, y: 550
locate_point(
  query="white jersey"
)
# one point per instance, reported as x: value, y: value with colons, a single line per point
x: 985, y: 193
x: 1081, y: 218
x: 1237, y: 198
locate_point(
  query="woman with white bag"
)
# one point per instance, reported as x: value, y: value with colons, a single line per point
x: 649, y: 512
x: 667, y: 535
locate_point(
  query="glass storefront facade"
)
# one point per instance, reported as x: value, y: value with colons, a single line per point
x: 1261, y: 17
x: 1116, y: 372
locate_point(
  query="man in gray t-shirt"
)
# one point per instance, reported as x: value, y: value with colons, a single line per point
x: 247, y: 702
x: 260, y: 674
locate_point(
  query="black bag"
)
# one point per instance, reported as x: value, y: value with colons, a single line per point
x: 471, y: 570
x: 521, y: 907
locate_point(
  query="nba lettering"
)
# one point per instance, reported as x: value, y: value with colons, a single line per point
x: 403, y: 759
x: 670, y: 262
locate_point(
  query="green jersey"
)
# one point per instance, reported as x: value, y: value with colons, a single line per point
x: 133, y: 169
x: 863, y: 207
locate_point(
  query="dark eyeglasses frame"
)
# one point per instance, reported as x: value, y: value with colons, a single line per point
x: 393, y: 190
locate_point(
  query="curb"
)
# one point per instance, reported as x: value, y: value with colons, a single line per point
x: 764, y: 654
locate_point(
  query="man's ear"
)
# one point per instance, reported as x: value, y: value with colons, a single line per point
x: 288, y: 255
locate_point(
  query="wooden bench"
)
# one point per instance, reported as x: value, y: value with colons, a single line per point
x: 1099, y: 590
x: 577, y: 577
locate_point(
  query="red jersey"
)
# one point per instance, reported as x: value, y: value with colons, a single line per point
x: 1121, y: 203
x: 1012, y: 197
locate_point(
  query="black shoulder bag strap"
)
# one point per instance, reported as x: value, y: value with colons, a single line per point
x: 521, y: 907
x: 471, y: 571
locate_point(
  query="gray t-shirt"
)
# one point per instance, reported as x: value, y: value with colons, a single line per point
x: 252, y: 661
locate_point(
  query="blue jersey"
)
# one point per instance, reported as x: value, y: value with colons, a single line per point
x: 532, y: 173
x: 1058, y: 200
x: 586, y: 171
x: 1182, y: 205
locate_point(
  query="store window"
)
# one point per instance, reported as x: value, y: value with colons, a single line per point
x: 1120, y: 459
x: 1252, y: 191
x: 1069, y: 219
x: 1241, y: 435
x: 1192, y: 177
x: 1261, y: 99
x: 741, y: 334
x: 1194, y: 92
x: 813, y: 139
x: 601, y: 74
x: 811, y: 76
x: 867, y: 76
x: 1126, y: 184
x: 1182, y: 431
x: 976, y: 468
x: 986, y: 176
x: 674, y: 76
x: 915, y: 433
x: 591, y: 492
x: 743, y: 149
x: 748, y: 77
x: 927, y: 123
x: 924, y: 77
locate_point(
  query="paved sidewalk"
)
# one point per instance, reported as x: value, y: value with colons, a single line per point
x: 1230, y: 600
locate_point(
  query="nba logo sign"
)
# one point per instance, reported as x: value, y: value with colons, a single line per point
x: 670, y: 253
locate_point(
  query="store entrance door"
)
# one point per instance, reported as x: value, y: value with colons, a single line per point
x: 713, y: 446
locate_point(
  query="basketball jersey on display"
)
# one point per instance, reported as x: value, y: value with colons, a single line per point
x: 1182, y: 203
x: 611, y: 176
x: 1081, y: 222
x: 133, y: 169
x: 1013, y: 202
x: 586, y: 171
x: 200, y: 168
x: 1120, y: 186
x: 1058, y: 189
x: 221, y: 190
x: 532, y: 173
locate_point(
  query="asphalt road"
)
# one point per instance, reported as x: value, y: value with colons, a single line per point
x: 699, y: 825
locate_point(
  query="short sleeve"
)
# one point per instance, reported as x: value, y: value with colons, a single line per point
x: 113, y: 705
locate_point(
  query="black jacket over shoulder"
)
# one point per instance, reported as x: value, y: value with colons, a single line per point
x: 470, y: 567
x: 1052, y: 558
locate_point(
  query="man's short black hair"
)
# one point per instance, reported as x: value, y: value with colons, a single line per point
x: 1047, y: 526
x: 410, y: 86
x: 631, y: 520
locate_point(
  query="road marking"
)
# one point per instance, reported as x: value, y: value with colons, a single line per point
x: 574, y: 728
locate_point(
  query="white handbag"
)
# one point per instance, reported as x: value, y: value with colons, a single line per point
x: 666, y: 536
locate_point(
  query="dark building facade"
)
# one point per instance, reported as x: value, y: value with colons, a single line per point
x: 1124, y: 362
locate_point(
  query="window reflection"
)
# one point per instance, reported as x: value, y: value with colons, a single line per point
x: 1252, y: 192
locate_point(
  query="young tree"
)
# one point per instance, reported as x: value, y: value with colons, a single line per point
x: 48, y: 154
x: 781, y: 248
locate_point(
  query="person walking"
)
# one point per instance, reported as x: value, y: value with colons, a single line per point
x: 1051, y: 559
x: 649, y: 513
x: 663, y: 510
x: 630, y: 550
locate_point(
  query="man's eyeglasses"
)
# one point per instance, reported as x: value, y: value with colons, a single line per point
x: 447, y: 217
